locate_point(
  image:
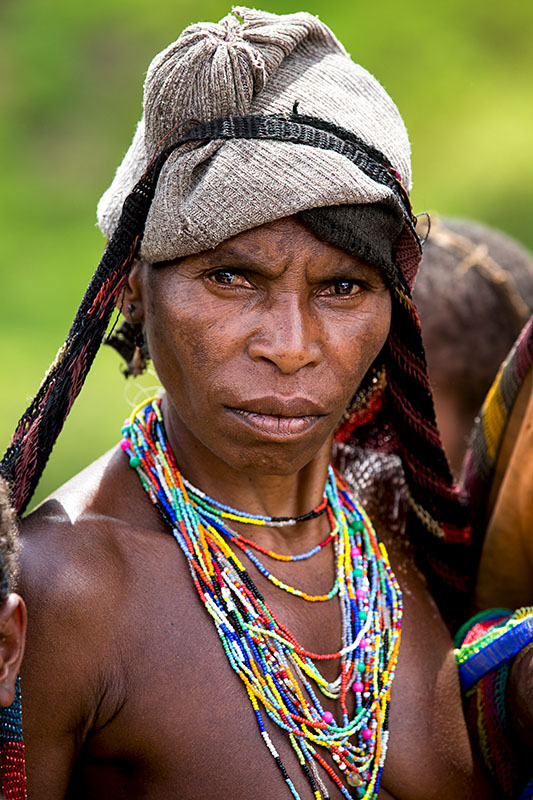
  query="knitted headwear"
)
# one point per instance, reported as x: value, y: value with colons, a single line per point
x: 263, y: 66
x: 247, y: 121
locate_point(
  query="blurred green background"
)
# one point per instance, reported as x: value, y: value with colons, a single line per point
x: 70, y: 96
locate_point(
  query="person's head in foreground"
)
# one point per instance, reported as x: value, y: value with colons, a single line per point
x: 262, y: 249
x: 473, y: 293
x: 12, y: 640
x: 12, y: 608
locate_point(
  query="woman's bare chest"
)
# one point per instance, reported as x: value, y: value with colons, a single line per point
x: 195, y: 724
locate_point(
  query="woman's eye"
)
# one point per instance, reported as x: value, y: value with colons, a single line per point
x: 228, y: 277
x: 343, y: 288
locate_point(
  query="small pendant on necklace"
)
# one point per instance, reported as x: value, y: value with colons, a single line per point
x: 354, y: 779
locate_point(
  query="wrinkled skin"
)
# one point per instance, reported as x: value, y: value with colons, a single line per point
x: 260, y: 345
x: 291, y: 326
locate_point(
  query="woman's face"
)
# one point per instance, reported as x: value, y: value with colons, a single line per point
x: 261, y: 343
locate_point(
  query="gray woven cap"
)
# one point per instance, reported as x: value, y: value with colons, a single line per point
x: 252, y: 62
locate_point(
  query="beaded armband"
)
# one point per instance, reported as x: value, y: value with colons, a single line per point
x: 484, y: 647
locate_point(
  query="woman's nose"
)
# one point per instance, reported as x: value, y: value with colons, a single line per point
x: 287, y: 336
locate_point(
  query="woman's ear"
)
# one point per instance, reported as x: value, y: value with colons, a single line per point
x: 131, y: 300
x: 12, y: 640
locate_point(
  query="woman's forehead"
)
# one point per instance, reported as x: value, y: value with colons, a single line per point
x: 281, y: 242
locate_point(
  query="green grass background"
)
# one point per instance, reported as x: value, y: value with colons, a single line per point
x: 70, y: 95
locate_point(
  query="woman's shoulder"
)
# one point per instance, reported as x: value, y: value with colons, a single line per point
x: 73, y: 543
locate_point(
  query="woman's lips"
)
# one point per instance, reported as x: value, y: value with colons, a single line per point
x: 277, y: 425
x: 277, y: 405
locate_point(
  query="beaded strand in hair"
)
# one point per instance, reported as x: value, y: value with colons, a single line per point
x: 41, y: 423
x: 404, y: 422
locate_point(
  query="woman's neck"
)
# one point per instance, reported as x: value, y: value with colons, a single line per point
x: 253, y: 491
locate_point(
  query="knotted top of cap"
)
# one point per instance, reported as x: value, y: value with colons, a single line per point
x: 261, y: 66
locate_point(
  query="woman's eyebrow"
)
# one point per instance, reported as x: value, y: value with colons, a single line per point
x: 237, y: 258
x: 172, y: 262
x: 226, y: 254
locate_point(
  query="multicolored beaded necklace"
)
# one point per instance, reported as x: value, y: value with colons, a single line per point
x: 279, y: 674
x: 213, y: 507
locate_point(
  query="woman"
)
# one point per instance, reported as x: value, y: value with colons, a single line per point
x: 262, y: 249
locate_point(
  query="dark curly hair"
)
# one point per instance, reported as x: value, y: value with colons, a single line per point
x: 473, y: 293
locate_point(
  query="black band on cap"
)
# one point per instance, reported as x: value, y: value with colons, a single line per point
x: 367, y: 231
